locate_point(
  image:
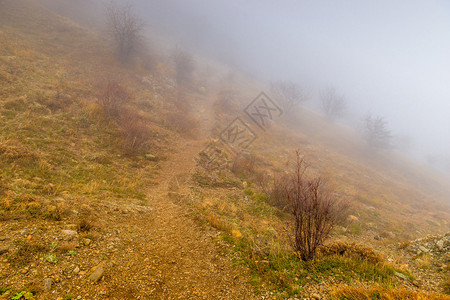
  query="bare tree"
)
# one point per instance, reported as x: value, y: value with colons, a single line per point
x: 376, y: 132
x: 333, y: 104
x: 125, y: 29
x: 288, y: 95
x: 315, y: 212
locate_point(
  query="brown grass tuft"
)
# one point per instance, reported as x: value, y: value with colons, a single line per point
x: 135, y: 132
x: 84, y: 224
x: 351, y: 250
x: 112, y: 99
x: 353, y: 293
x: 14, y: 151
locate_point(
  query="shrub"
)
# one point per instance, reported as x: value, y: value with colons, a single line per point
x: 333, y: 104
x: 288, y: 94
x: 112, y: 100
x: 125, y: 29
x: 376, y: 132
x: 277, y: 193
x: 135, y: 132
x: 315, y: 212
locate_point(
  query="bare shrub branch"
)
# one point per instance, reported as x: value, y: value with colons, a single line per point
x: 125, y: 29
x: 133, y: 128
x: 135, y: 133
x: 288, y: 95
x: 314, y: 210
x: 332, y: 104
x: 376, y: 132
x: 112, y: 99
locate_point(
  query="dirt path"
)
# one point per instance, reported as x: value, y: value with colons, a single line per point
x: 156, y: 251
x: 168, y: 255
x: 172, y: 257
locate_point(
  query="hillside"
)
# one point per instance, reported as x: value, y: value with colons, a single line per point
x: 85, y: 214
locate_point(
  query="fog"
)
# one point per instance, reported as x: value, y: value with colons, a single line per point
x: 388, y: 58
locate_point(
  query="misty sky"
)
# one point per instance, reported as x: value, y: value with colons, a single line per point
x: 388, y: 57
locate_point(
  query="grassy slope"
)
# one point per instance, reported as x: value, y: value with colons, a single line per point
x: 54, y: 140
x: 55, y: 144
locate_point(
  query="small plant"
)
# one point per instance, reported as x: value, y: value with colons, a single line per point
x: 53, y: 246
x: 23, y: 295
x: 52, y: 258
x: 84, y: 224
x: 71, y: 253
x: 446, y: 286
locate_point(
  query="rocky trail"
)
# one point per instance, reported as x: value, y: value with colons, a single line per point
x: 170, y: 256
x: 152, y: 251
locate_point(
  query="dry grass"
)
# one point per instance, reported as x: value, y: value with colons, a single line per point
x: 352, y: 293
x: 55, y: 148
x: 136, y: 134
x: 361, y: 252
x: 113, y: 100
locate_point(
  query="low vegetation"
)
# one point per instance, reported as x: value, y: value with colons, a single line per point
x: 315, y: 212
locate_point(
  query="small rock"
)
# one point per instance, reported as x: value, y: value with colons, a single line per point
x: 423, y: 249
x: 315, y: 296
x: 76, y: 270
x: 86, y: 242
x: 68, y: 232
x: 352, y: 218
x: 440, y: 245
x: 150, y: 157
x: 47, y: 284
x: 400, y: 275
x: 4, y: 250
x: 96, y: 275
